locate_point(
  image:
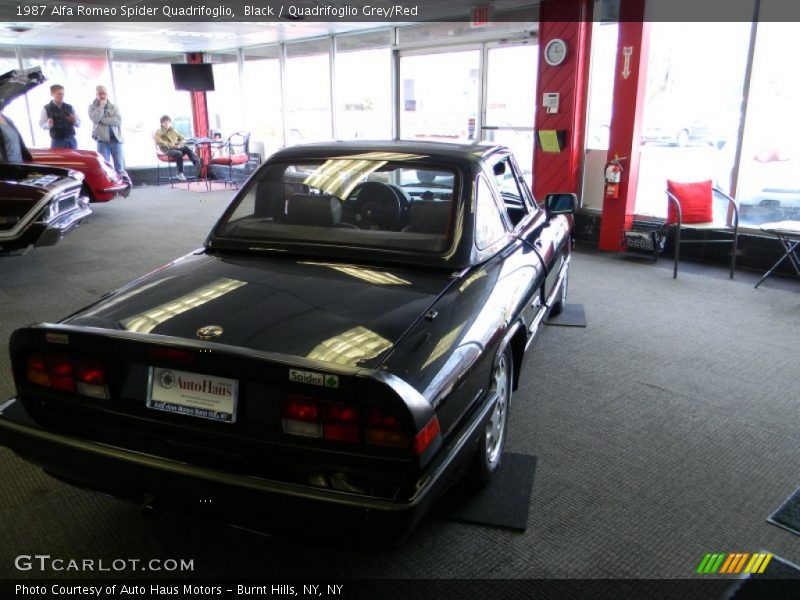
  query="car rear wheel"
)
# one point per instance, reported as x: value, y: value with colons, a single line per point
x: 493, y: 437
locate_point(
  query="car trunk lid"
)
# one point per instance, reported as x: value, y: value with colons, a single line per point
x: 334, y: 312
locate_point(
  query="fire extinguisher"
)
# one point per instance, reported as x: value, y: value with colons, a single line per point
x: 613, y: 174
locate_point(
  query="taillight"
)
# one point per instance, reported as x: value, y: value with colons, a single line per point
x: 307, y: 416
x: 90, y: 378
x: 340, y: 422
x: 384, y: 429
x: 428, y: 433
x: 300, y: 416
x: 60, y: 370
x: 84, y: 376
x: 35, y: 371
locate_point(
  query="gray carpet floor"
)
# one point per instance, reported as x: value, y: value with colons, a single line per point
x: 666, y: 429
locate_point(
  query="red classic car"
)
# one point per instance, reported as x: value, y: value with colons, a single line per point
x: 101, y: 181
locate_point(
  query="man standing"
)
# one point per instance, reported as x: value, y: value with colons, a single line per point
x: 60, y: 118
x: 171, y: 143
x: 107, y: 132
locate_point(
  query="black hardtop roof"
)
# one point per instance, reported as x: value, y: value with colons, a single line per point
x: 435, y: 152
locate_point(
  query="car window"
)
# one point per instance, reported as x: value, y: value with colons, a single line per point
x: 508, y: 182
x: 359, y: 201
x: 489, y: 226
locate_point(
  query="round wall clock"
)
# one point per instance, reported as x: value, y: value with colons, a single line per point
x: 555, y: 52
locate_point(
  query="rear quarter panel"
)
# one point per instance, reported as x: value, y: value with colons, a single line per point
x: 449, y: 359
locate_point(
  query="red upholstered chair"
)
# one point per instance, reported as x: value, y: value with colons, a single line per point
x: 233, y: 153
x: 700, y: 205
x: 170, y: 162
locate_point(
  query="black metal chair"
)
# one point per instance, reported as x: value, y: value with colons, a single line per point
x: 234, y: 152
x: 725, y: 215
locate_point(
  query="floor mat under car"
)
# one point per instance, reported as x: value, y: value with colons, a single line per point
x: 572, y: 315
x: 505, y: 502
x: 788, y: 515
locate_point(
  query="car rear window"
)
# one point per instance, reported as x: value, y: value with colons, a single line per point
x: 354, y: 202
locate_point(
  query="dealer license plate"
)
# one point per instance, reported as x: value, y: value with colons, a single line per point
x: 193, y: 394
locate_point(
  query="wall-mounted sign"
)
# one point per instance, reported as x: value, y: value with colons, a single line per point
x: 627, y: 52
x: 480, y: 16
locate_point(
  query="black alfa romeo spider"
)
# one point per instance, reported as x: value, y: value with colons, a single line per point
x: 341, y: 350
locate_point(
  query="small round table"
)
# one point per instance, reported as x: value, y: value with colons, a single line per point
x: 788, y: 233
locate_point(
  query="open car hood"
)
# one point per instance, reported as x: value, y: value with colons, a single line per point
x: 18, y: 82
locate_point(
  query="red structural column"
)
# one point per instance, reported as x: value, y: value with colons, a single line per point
x: 629, y: 94
x: 570, y: 21
x: 200, y: 115
x: 199, y: 106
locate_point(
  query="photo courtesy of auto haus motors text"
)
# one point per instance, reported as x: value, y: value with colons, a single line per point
x: 132, y: 590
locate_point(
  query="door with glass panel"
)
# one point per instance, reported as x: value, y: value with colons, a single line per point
x: 509, y: 106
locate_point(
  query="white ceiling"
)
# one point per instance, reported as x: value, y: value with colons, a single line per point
x: 206, y: 35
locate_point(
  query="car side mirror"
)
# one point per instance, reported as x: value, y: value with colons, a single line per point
x: 561, y: 204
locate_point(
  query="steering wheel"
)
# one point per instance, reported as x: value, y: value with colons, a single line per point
x: 375, y: 205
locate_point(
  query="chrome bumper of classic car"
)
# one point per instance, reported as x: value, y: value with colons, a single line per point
x: 238, y: 498
x: 64, y: 221
x: 123, y: 188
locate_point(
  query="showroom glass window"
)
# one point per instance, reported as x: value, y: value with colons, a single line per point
x: 133, y: 72
x: 225, y: 110
x: 363, y: 76
x: 79, y: 71
x: 769, y: 173
x: 439, y: 95
x: 261, y: 88
x: 308, y: 91
x: 692, y: 111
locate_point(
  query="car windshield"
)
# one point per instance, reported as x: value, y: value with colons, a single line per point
x: 375, y: 203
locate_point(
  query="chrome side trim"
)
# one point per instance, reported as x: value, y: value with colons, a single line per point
x: 561, y: 276
x: 25, y: 221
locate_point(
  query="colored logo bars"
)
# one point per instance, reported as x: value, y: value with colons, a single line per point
x: 733, y: 563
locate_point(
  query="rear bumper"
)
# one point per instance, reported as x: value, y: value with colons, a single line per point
x: 231, y: 497
x: 123, y: 188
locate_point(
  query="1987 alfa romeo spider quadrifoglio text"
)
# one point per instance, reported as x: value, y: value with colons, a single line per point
x: 340, y: 351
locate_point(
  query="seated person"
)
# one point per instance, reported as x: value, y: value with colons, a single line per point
x: 171, y: 143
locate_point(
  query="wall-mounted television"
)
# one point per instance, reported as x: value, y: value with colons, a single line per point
x: 193, y: 77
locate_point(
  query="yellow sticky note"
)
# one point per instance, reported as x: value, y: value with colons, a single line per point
x: 549, y: 140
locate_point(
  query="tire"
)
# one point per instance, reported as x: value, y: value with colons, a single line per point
x: 558, y: 306
x: 489, y: 451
